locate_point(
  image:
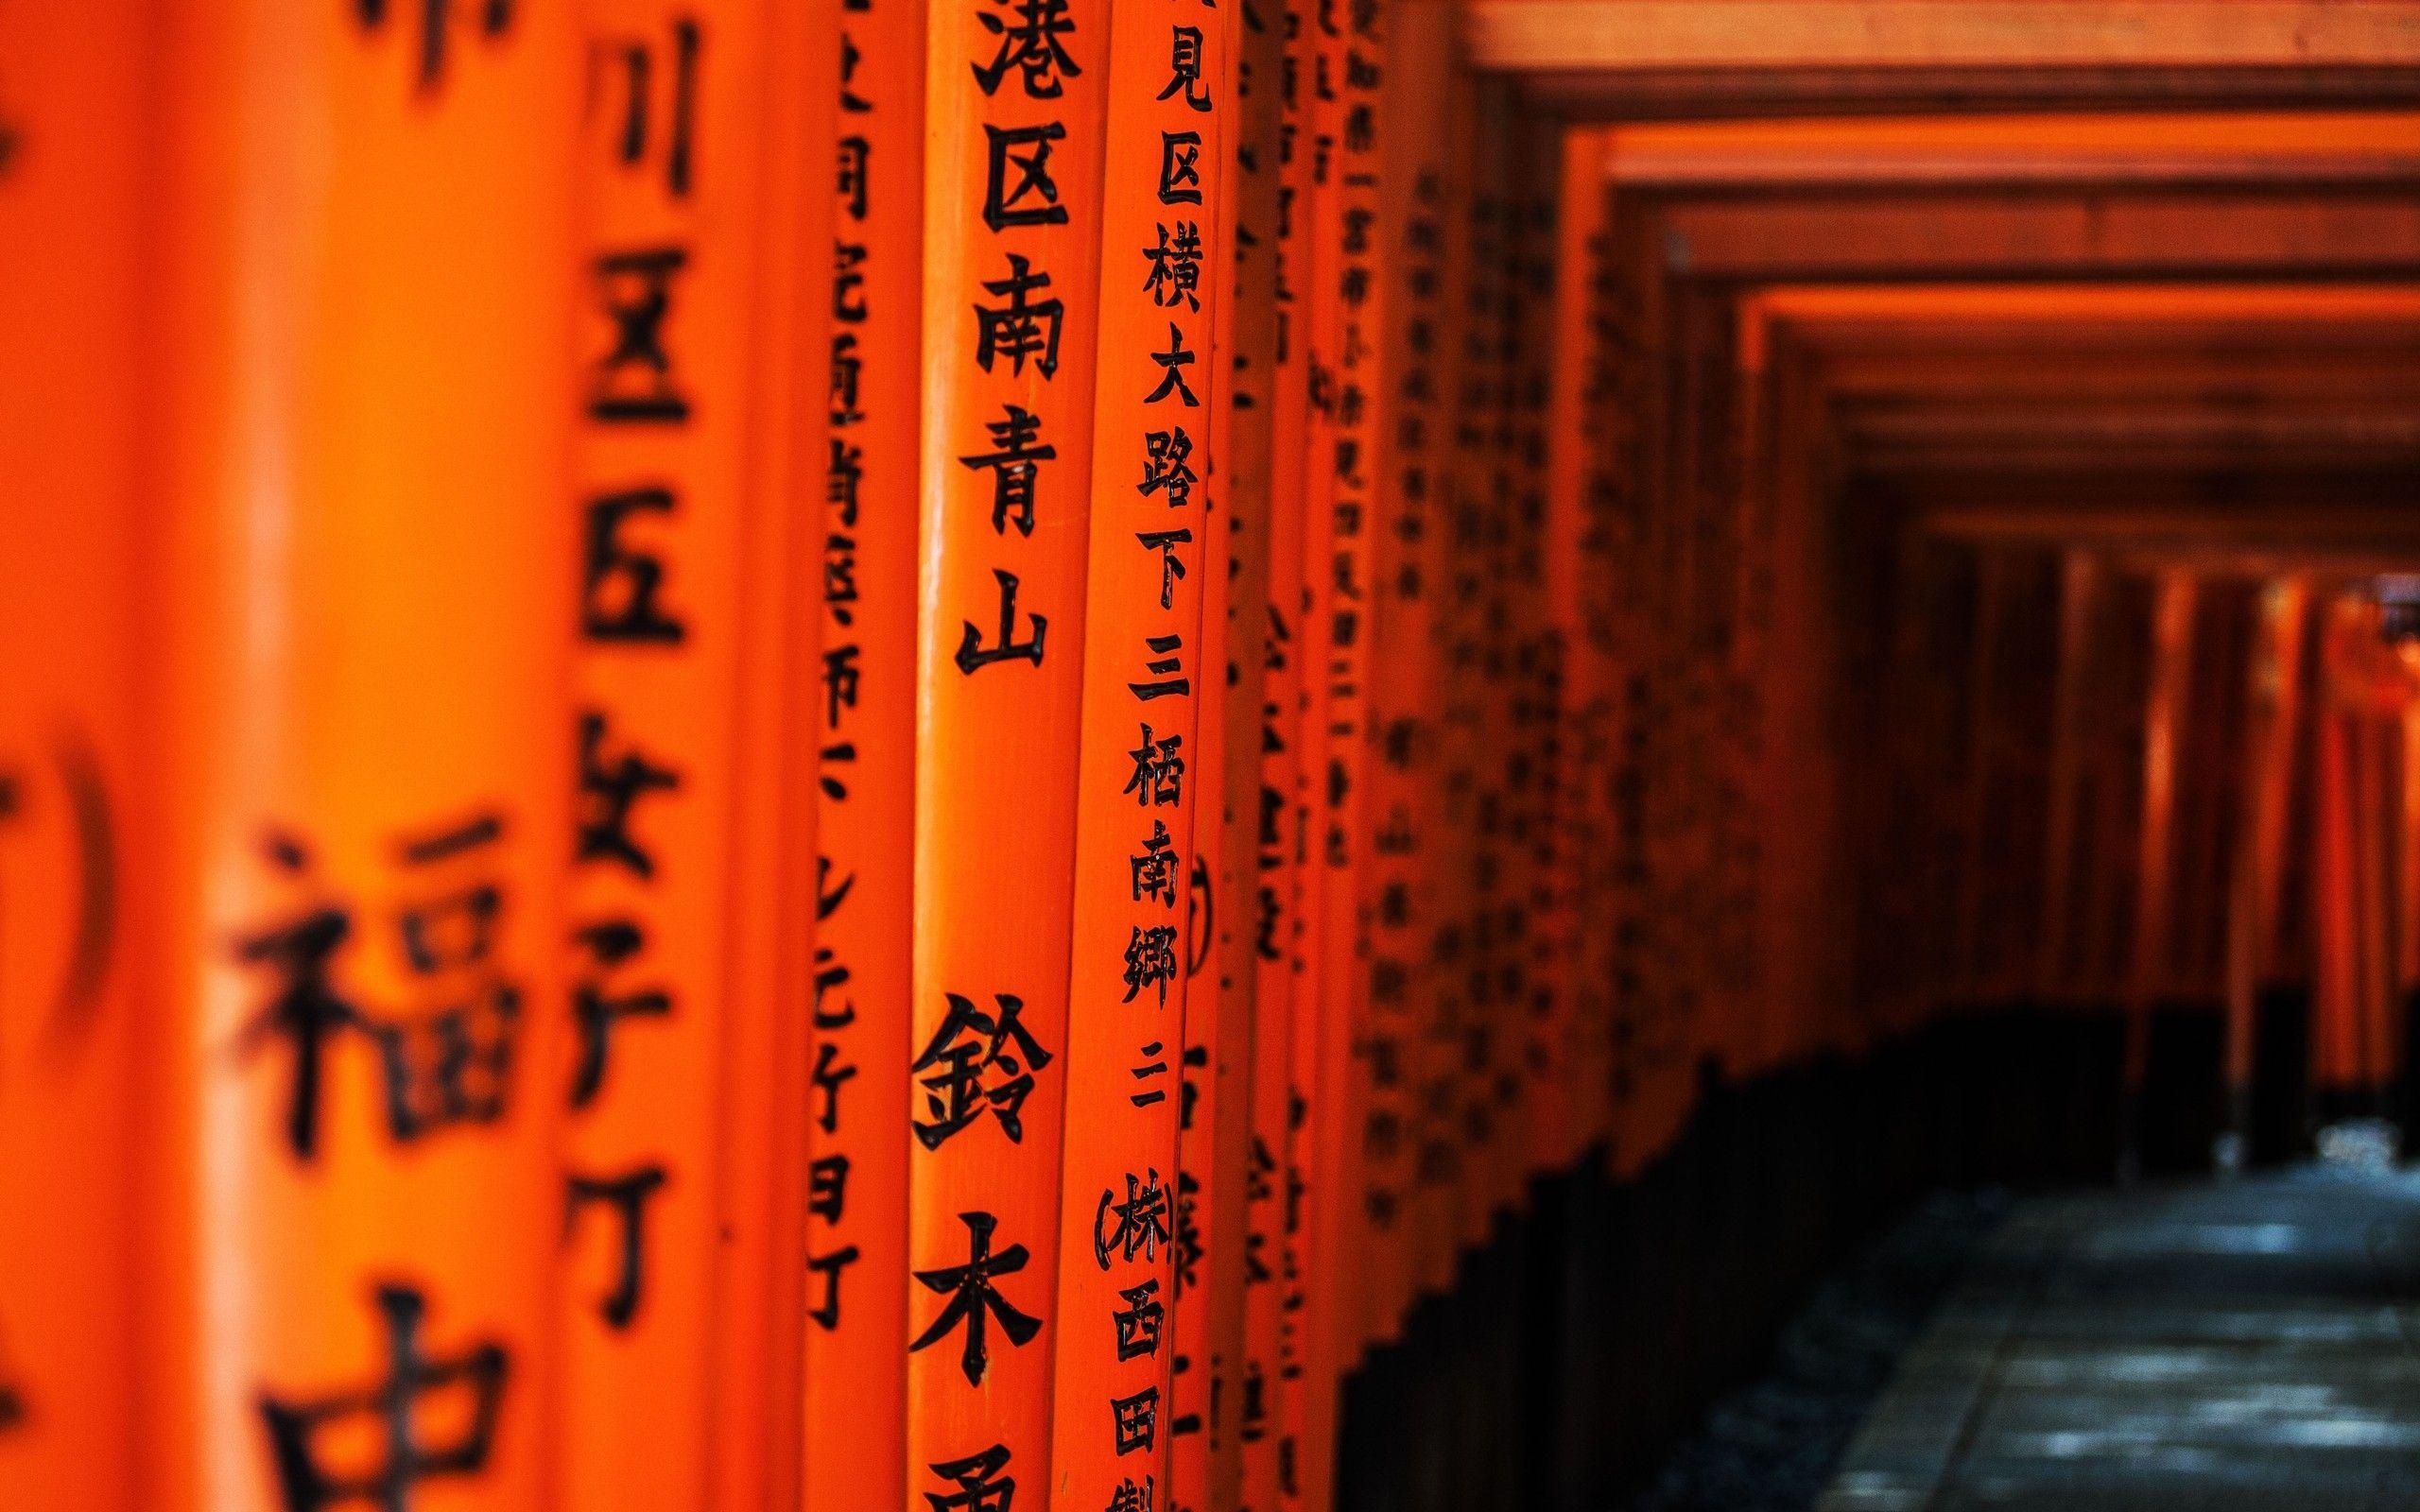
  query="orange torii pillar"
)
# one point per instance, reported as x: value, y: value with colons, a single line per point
x: 364, y: 517
x: 2364, y: 688
x: 73, y: 884
x: 1268, y: 1416
x: 2079, y: 594
x: 1430, y: 382
x: 1122, y: 1219
x: 2171, y: 654
x: 691, y: 281
x: 1471, y: 613
x: 1212, y: 1370
x: 856, y: 1312
x: 1347, y: 283
x: 1399, y: 881
x: 1012, y: 217
x: 2274, y: 714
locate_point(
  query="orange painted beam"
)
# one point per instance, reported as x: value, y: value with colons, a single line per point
x: 2081, y: 311
x: 1970, y: 152
x: 1607, y: 36
x: 2042, y: 234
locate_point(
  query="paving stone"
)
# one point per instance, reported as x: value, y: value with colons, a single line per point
x: 2210, y: 1347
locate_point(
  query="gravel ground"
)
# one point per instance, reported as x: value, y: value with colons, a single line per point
x: 1770, y: 1446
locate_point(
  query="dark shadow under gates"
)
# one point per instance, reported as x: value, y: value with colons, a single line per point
x: 1589, y: 1337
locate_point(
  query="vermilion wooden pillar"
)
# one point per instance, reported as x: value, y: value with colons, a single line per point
x: 366, y: 264
x: 1540, y: 1079
x: 2171, y: 651
x: 1439, y: 988
x: 1267, y: 1416
x: 2273, y: 702
x: 2079, y: 579
x: 1013, y: 214
x: 1979, y: 694
x: 773, y: 1092
x: 1346, y: 292
x: 857, y: 1306
x: 2363, y: 688
x: 684, y: 374
x: 1215, y: 1134
x: 2335, y: 943
x: 1399, y: 885
x: 1141, y: 772
x: 1474, y: 709
x: 75, y: 899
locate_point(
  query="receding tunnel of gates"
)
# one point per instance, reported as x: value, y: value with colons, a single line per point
x: 1583, y: 1343
x: 1605, y: 709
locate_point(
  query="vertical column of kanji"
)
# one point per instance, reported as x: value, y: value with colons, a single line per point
x: 1444, y: 788
x: 674, y: 503
x: 1502, y: 729
x: 1311, y: 54
x: 1014, y: 95
x: 366, y: 266
x: 1616, y: 406
x: 1346, y: 374
x: 1462, y: 948
x: 1163, y: 176
x: 73, y: 140
x: 1596, y: 757
x: 1215, y: 1124
x: 1649, y: 717
x: 1495, y: 1063
x: 1540, y: 1114
x: 858, y: 1180
x: 1403, y: 681
x: 1276, y: 116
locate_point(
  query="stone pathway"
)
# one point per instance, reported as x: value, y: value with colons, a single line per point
x: 2213, y: 1346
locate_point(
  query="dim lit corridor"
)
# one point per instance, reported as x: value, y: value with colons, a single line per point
x: 1209, y: 755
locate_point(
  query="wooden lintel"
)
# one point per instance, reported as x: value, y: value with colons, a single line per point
x: 1726, y: 94
x: 2299, y: 148
x: 1615, y: 36
x: 2069, y: 234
